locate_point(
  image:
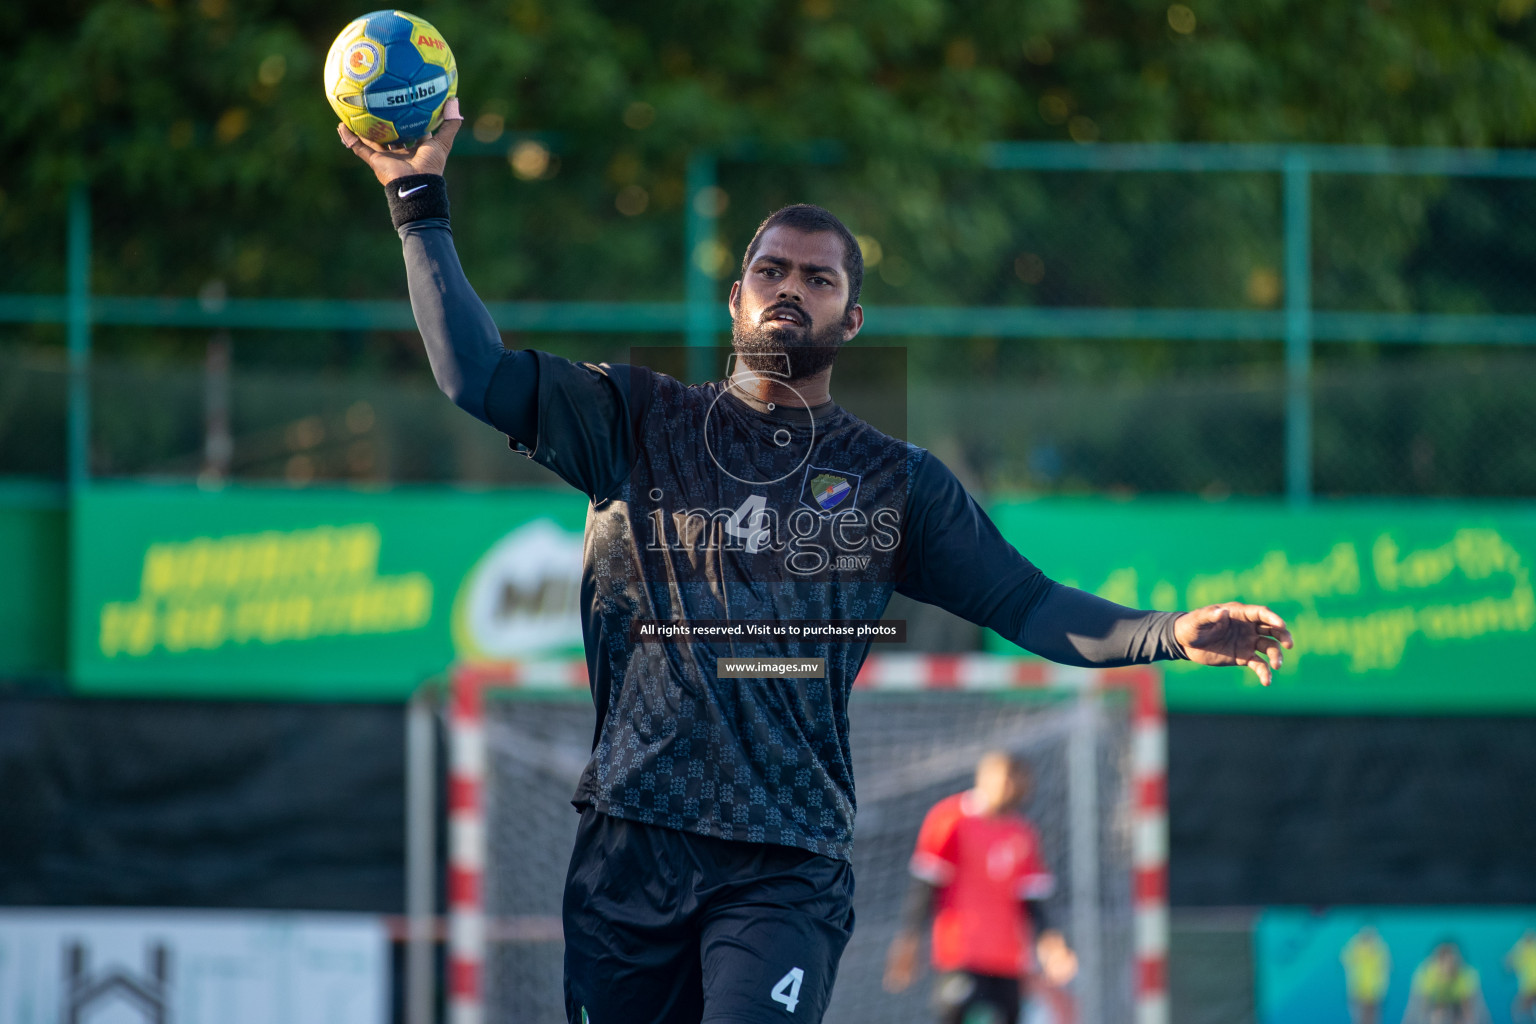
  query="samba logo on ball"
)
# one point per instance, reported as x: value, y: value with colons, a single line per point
x: 388, y: 76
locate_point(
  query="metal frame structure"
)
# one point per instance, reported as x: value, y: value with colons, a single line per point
x: 700, y: 318
x: 467, y: 835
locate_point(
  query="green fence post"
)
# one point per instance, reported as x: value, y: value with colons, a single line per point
x: 699, y: 282
x: 78, y: 317
x: 1298, y: 329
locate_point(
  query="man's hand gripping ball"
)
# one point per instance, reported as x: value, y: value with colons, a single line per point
x: 429, y: 157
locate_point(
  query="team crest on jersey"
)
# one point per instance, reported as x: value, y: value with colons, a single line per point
x: 829, y: 490
x: 362, y: 58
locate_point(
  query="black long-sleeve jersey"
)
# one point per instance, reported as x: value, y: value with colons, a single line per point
x: 708, y: 505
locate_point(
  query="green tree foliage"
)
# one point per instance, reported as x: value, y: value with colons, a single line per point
x: 214, y: 167
x: 202, y: 127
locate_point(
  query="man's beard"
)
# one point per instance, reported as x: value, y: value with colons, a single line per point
x: 801, y: 351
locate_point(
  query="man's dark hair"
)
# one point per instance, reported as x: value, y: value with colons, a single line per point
x: 811, y: 219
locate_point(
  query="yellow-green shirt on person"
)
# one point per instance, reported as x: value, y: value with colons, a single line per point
x: 1367, y: 968
x: 1522, y: 960
x: 1443, y: 986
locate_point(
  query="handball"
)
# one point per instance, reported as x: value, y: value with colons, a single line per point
x: 388, y: 76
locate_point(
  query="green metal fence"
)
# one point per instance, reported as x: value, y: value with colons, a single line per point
x: 1298, y: 323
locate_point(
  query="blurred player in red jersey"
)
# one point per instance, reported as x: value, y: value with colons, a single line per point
x: 979, y: 872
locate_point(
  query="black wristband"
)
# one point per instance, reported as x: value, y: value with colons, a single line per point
x: 416, y: 197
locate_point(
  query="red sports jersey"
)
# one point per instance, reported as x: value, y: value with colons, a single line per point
x: 983, y: 867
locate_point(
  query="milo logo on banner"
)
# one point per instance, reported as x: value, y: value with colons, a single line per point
x: 522, y: 598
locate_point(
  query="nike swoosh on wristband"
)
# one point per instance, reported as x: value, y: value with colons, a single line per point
x: 406, y: 192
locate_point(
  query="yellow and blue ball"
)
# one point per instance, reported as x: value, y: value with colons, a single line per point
x: 388, y: 76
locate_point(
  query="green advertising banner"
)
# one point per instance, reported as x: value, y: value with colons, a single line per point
x: 338, y: 594
x: 1397, y: 607
x: 348, y: 594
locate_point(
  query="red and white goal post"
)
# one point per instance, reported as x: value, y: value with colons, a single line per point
x: 472, y: 929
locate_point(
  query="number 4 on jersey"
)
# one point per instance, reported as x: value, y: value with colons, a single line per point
x: 750, y: 523
x: 787, y: 991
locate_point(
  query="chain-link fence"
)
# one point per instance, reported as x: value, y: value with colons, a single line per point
x: 1164, y: 370
x: 1444, y: 424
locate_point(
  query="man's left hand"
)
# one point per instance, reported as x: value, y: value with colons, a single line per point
x: 1234, y: 634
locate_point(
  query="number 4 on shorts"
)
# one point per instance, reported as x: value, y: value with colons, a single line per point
x: 787, y: 991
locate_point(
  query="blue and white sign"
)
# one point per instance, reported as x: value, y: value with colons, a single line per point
x: 192, y: 967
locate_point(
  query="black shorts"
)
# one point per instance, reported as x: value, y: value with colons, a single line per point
x: 961, y: 997
x: 668, y: 927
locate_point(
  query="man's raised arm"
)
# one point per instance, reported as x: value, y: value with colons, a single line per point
x: 468, y: 360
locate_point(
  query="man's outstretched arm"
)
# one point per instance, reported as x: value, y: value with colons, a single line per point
x: 957, y: 559
x: 463, y: 346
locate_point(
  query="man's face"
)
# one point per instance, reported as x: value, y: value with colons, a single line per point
x: 790, y: 308
x: 1001, y: 784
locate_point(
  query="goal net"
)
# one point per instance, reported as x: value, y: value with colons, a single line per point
x: 919, y: 726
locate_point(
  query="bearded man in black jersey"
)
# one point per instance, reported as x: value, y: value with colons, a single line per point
x: 711, y: 878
